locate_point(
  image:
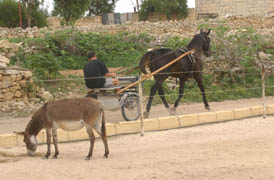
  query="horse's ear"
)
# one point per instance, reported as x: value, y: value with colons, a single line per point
x: 208, y: 31
x: 21, y: 133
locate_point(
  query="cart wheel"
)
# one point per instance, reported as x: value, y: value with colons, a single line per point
x: 130, y: 108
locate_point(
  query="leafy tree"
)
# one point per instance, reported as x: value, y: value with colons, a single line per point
x: 9, y: 15
x: 29, y: 7
x: 71, y: 10
x: 167, y: 7
x: 100, y: 7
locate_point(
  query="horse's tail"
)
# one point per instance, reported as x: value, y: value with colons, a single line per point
x: 144, y: 62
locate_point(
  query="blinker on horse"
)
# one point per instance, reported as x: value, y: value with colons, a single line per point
x: 70, y: 115
x: 187, y: 67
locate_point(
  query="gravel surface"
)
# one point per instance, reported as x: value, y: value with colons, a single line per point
x: 239, y: 150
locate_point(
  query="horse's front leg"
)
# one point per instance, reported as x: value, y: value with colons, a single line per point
x: 48, y: 131
x: 54, y: 135
x: 181, y: 94
x: 198, y: 78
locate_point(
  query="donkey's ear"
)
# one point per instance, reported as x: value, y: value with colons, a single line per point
x: 21, y: 133
x: 208, y: 31
x: 201, y: 30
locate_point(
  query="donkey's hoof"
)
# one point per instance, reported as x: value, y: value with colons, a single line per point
x: 146, y: 114
x: 106, y: 156
x: 87, y: 158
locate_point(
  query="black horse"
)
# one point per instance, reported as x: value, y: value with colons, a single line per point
x: 187, y: 67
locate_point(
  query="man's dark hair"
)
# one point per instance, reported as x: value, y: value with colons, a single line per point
x: 91, y: 54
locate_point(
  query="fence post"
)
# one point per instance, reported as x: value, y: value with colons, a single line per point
x: 140, y: 91
x: 263, y: 90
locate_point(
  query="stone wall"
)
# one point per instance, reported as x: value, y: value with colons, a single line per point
x: 15, y: 83
x: 235, y: 7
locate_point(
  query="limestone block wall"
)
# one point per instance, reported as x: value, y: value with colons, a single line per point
x: 15, y: 84
x: 235, y: 7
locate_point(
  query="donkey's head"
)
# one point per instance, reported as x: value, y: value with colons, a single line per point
x: 30, y: 141
x: 206, y: 42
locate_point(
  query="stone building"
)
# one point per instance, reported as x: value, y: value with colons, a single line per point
x: 222, y: 8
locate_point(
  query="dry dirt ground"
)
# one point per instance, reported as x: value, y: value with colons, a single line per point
x: 235, y: 150
x: 10, y: 124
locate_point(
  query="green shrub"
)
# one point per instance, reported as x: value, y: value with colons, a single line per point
x: 43, y: 66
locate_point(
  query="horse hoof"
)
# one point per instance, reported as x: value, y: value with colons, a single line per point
x: 171, y: 111
x: 146, y: 114
x: 207, y: 108
x: 106, y: 156
x: 87, y: 158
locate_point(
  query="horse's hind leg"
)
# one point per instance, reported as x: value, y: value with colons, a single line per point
x: 181, y: 94
x: 162, y: 96
x: 151, y: 95
x: 198, y: 78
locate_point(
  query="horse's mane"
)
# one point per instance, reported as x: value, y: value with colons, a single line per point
x: 196, y: 41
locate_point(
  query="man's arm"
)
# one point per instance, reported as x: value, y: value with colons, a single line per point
x: 109, y: 74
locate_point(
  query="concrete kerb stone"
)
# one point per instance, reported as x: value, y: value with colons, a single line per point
x: 171, y: 122
x: 127, y: 127
x: 151, y: 125
x: 209, y: 117
x: 242, y: 113
x: 188, y: 120
x: 270, y: 109
x: 225, y: 116
x: 8, y: 140
x: 257, y: 111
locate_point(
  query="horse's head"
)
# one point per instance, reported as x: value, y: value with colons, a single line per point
x: 206, y: 42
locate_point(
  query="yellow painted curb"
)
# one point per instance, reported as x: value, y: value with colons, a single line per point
x: 151, y: 125
x: 225, y: 116
x: 189, y: 120
x: 62, y: 136
x: 242, y: 113
x: 111, y: 129
x: 257, y: 111
x: 207, y: 117
x: 8, y: 140
x: 169, y: 122
x: 77, y: 135
x: 270, y: 109
x: 127, y: 127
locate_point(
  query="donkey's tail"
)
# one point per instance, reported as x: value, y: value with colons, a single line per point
x: 104, y: 133
x: 103, y: 126
x: 144, y: 62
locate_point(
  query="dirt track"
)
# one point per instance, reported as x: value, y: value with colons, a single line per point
x: 10, y: 124
x: 239, y: 150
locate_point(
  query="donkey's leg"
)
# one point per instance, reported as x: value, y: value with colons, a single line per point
x: 181, y: 94
x: 198, y: 78
x: 101, y: 130
x: 54, y: 135
x: 48, y: 131
x: 91, y: 139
